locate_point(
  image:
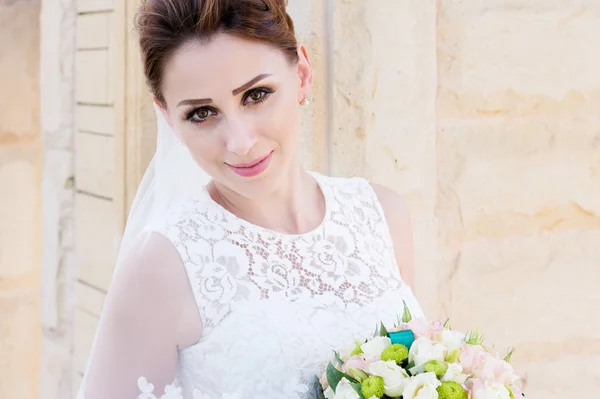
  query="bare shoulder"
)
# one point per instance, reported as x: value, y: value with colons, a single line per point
x: 399, y: 221
x: 153, y: 282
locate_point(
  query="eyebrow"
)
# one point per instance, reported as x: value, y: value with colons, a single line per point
x: 235, y: 92
x: 250, y: 83
x: 196, y: 102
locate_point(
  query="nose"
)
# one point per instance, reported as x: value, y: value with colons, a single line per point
x: 240, y: 138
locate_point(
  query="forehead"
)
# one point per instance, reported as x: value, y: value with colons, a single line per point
x: 218, y: 66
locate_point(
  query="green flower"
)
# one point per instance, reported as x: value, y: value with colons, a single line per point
x: 373, y: 386
x: 395, y: 352
x: 437, y: 367
x: 451, y: 390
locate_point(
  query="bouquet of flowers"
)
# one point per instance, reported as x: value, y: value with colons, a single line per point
x: 420, y: 359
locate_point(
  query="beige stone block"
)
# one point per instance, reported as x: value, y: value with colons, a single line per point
x: 385, y: 90
x: 549, y: 378
x: 518, y: 177
x: 19, y: 213
x: 20, y: 343
x: 93, y: 30
x: 91, y: 77
x: 518, y: 287
x: 399, y: 137
x: 56, y: 378
x: 84, y: 332
x: 95, y: 163
x: 113, y: 69
x: 19, y: 70
x: 95, y: 240
x: 96, y: 119
x: 354, y: 77
x: 517, y: 58
x: 88, y: 6
x: 89, y: 299
x: 310, y: 27
x: 537, y: 294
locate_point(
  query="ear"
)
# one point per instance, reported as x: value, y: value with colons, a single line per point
x: 163, y: 110
x: 304, y: 73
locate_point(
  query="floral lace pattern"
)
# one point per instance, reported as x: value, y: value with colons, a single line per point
x: 274, y: 305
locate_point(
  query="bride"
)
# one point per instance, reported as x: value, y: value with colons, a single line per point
x: 240, y: 272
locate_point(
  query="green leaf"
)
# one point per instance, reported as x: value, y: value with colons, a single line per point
x: 338, y: 359
x: 409, y: 366
x: 474, y: 337
x: 334, y: 376
x: 383, y: 332
x: 358, y: 388
x: 447, y: 324
x: 406, y: 316
x: 509, y: 355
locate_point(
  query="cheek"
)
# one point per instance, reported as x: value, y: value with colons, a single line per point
x: 283, y: 120
x: 202, y: 145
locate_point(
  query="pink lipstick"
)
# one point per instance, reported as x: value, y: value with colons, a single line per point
x: 252, y: 168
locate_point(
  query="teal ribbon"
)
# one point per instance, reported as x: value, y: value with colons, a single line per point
x: 405, y: 338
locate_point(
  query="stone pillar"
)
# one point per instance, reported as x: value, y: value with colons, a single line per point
x: 384, y: 111
x: 58, y: 264
x: 20, y: 207
x: 310, y: 23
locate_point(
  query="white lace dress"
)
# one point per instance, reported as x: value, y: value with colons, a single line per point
x: 274, y: 306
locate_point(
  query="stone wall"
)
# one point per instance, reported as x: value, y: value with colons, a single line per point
x: 20, y: 206
x: 482, y: 115
x: 518, y: 188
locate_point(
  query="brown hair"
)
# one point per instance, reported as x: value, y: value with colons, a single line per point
x: 165, y: 25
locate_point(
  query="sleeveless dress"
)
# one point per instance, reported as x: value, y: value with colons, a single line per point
x: 273, y: 306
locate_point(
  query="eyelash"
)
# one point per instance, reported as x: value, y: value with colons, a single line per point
x: 266, y: 92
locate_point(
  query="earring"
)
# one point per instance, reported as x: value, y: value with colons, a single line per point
x: 305, y: 101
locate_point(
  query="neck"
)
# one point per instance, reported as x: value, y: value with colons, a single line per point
x: 296, y: 206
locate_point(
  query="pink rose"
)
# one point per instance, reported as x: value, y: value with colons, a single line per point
x: 357, y: 362
x: 497, y: 370
x: 436, y: 327
x: 472, y: 358
x: 419, y: 327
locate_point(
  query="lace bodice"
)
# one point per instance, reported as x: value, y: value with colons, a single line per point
x: 274, y: 306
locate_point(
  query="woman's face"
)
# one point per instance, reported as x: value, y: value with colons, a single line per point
x: 235, y: 104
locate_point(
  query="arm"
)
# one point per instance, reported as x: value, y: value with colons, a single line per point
x: 148, y: 314
x: 399, y: 222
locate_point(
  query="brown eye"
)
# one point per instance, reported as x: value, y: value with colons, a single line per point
x: 256, y: 95
x: 200, y: 115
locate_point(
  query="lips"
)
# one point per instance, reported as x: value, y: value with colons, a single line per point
x: 252, y: 168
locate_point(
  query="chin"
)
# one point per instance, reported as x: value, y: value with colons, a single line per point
x: 254, y: 187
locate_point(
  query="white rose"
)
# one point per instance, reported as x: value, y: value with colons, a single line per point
x: 329, y: 394
x: 394, y: 377
x: 422, y: 386
x: 452, y: 340
x: 345, y: 391
x: 374, y: 347
x: 493, y: 390
x: 455, y: 373
x: 424, y: 350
